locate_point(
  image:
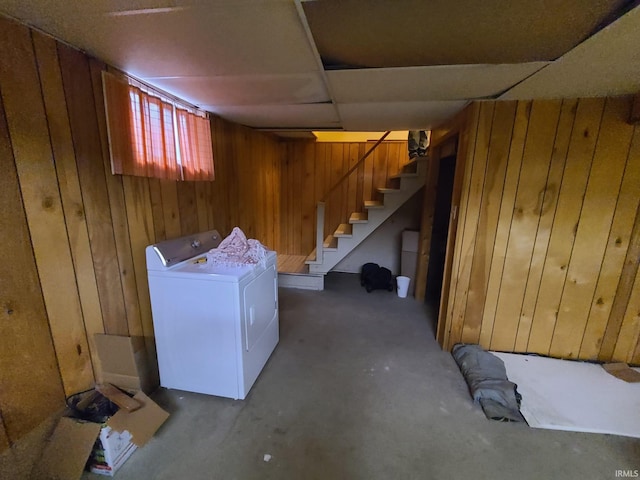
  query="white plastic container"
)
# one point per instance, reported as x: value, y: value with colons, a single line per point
x: 403, y: 285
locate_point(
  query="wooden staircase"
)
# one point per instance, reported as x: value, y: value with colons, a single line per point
x: 347, y: 236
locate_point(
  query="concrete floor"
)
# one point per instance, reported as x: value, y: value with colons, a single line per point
x: 359, y: 389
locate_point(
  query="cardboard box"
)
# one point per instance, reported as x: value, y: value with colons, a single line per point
x: 105, y: 447
x: 124, y: 363
x: 75, y: 444
x: 123, y: 433
x: 110, y: 451
x: 622, y: 371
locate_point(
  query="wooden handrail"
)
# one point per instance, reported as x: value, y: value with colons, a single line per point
x: 352, y: 169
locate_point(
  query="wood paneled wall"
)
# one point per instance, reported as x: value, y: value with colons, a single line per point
x: 309, y: 171
x: 72, y: 235
x: 548, y: 244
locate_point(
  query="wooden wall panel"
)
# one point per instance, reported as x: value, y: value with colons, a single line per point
x: 368, y: 190
x: 86, y: 141
x: 309, y: 197
x: 310, y: 169
x: 246, y: 191
x: 69, y: 184
x: 546, y: 209
x: 471, y: 199
x: 155, y: 191
x: 140, y: 226
x: 488, y: 217
x: 620, y: 327
x: 618, y: 267
x: 565, y: 245
x: 28, y: 128
x: 76, y: 250
x: 536, y: 158
x: 629, y: 332
x: 202, y: 204
x: 352, y: 183
x: 324, y: 169
x: 30, y: 382
x: 117, y: 207
x: 574, y: 181
x: 467, y: 152
x: 170, y: 208
x: 462, y: 138
x: 187, y: 207
x: 598, y: 210
x: 501, y: 237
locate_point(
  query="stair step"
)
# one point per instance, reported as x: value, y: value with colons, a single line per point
x: 359, y: 217
x: 373, y: 204
x: 412, y: 163
x: 404, y: 175
x: 330, y: 243
x: 388, y: 190
x: 343, y: 230
x: 292, y: 264
x: 312, y: 259
x: 306, y: 281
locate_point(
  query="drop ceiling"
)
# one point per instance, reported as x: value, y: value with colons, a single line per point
x: 353, y: 64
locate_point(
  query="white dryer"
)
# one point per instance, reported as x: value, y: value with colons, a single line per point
x: 215, y: 327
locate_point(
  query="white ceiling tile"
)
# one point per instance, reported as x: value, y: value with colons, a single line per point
x: 203, y: 38
x: 251, y: 61
x: 606, y: 64
x: 246, y: 89
x: 427, y: 83
x: 397, y: 115
x: 280, y: 116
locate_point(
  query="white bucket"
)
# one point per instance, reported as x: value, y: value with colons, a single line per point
x: 403, y: 286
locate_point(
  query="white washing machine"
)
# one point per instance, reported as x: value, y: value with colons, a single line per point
x: 215, y: 327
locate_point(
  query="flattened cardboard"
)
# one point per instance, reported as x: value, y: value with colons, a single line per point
x: 72, y: 442
x: 123, y: 362
x: 66, y: 453
x: 142, y: 423
x: 622, y: 371
x: 122, y: 400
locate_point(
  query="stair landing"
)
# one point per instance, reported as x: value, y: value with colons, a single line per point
x: 294, y: 273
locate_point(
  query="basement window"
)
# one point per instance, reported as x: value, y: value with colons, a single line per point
x: 153, y: 135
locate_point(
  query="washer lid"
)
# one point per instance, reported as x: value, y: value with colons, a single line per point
x: 172, y: 252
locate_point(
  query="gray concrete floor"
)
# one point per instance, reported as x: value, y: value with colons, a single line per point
x: 359, y: 389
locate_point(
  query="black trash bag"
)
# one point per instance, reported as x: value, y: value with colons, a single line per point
x: 375, y: 277
x: 91, y: 406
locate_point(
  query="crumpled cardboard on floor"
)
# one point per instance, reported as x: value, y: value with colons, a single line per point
x: 66, y: 452
x: 623, y: 372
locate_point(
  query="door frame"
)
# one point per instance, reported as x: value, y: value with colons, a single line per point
x: 453, y: 135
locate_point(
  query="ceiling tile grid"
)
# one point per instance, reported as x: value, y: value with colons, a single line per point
x: 247, y: 89
x: 402, y: 115
x: 313, y: 116
x: 608, y: 63
x: 427, y: 83
x: 353, y: 64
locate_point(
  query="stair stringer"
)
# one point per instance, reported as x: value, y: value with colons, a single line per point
x: 409, y: 186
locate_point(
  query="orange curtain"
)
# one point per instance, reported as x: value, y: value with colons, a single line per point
x: 141, y: 132
x: 117, y: 104
x: 153, y: 140
x: 196, y: 155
